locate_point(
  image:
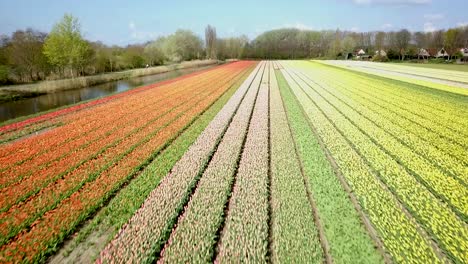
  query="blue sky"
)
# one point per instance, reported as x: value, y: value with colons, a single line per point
x: 122, y: 22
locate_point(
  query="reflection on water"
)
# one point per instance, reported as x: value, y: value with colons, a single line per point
x: 10, y: 110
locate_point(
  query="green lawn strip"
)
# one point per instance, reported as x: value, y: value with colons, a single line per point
x: 111, y: 218
x: 439, y: 66
x: 396, y: 228
x: 346, y: 235
x: 146, y: 232
x: 245, y: 234
x: 294, y: 234
x: 195, y: 234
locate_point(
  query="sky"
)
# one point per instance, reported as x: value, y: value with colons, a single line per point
x: 123, y: 22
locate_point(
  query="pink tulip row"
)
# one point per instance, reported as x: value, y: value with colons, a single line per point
x: 191, y: 241
x: 147, y: 231
x: 245, y: 233
x: 125, y: 159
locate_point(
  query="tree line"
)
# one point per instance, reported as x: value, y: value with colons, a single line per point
x: 30, y: 55
x: 297, y: 44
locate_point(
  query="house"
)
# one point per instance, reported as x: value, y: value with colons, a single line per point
x: 442, y: 54
x: 424, y: 54
x: 464, y: 52
x: 361, y: 55
x: 382, y: 53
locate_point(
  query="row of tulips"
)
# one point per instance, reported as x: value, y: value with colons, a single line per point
x: 120, y: 209
x: 191, y: 241
x: 341, y: 217
x: 409, y: 104
x: 422, y: 203
x: 294, y: 234
x: 78, y: 196
x: 48, y: 192
x: 398, y: 231
x: 245, y: 235
x: 147, y: 231
x: 448, y: 187
x: 97, y: 120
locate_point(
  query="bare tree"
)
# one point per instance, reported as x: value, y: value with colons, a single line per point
x: 402, y: 39
x: 379, y: 41
x: 211, y: 43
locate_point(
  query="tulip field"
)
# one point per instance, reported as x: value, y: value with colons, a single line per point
x: 258, y: 162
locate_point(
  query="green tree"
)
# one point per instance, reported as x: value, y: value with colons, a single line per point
x: 65, y: 47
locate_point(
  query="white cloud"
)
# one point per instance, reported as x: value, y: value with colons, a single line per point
x: 297, y: 25
x: 429, y: 27
x: 434, y: 16
x: 140, y: 35
x: 392, y: 2
x: 387, y: 26
x: 354, y: 29
x: 462, y: 24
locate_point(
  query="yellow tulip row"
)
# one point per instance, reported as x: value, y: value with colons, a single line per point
x: 385, y: 155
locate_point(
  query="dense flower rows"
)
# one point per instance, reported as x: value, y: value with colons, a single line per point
x: 341, y: 218
x: 19, y: 125
x: 83, y: 188
x: 245, y: 233
x: 409, y: 177
x: 147, y: 231
x: 190, y: 241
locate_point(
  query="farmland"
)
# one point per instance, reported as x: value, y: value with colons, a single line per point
x: 261, y: 162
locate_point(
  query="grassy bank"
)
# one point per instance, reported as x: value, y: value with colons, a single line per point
x: 440, y: 66
x: 15, y: 92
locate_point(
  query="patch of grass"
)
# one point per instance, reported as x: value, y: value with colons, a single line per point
x: 451, y: 67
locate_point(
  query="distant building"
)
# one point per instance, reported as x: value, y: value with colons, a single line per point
x: 361, y: 55
x: 382, y: 53
x: 464, y: 52
x: 442, y: 54
x: 424, y: 54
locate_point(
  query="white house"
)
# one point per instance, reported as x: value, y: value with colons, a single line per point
x: 464, y: 52
x: 382, y: 53
x: 424, y: 54
x: 442, y: 54
x: 361, y: 52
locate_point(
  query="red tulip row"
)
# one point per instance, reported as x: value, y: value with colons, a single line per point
x: 51, y: 191
x: 146, y: 232
x: 78, y: 124
x: 80, y: 143
x: 41, y: 118
x: 78, y: 196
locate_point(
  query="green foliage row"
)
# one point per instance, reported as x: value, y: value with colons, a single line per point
x: 346, y: 235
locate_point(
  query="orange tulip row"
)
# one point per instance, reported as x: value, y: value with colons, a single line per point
x: 62, y: 204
